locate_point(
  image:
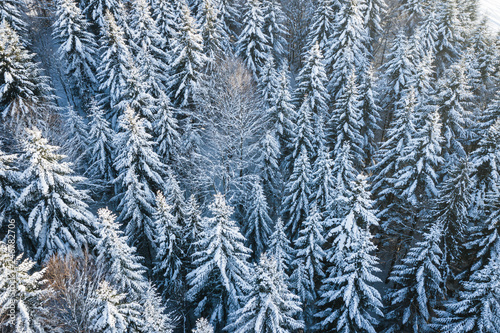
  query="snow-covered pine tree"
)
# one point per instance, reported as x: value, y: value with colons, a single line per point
x: 166, y: 17
x: 270, y: 173
x: 76, y: 137
x: 122, y: 265
x: 188, y: 59
x: 113, y: 313
x: 349, y: 302
x: 312, y: 82
x: 307, y: 267
x: 303, y: 137
x: 268, y: 83
x: 9, y: 180
x: 253, y: 45
x: 147, y: 45
x: 98, y: 9
x: 370, y: 115
x: 477, y: 308
x: 269, y: 307
x: 452, y: 98
x: 373, y: 13
x: 344, y: 174
x: 13, y: 12
x: 140, y: 175
x: 175, y: 198
x: 428, y: 28
x: 229, y: 11
x: 154, y: 318
x: 399, y: 71
x: 114, y: 68
x: 274, y: 29
x: 222, y: 271
x: 388, y: 159
x: 346, y: 122
x: 77, y: 47
x: 166, y: 130
x: 54, y: 217
x: 203, y: 326
x: 346, y: 48
x: 193, y: 227
x: 169, y: 253
x: 449, y: 39
x: 322, y: 24
x: 279, y: 247
x: 215, y: 37
x: 257, y: 227
x: 24, y: 290
x: 451, y: 210
x: 282, y: 113
x: 415, y: 183
x: 295, y: 206
x: 418, y: 284
x: 26, y: 98
x: 100, y: 145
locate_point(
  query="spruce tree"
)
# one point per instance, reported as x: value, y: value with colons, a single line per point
x: 26, y: 98
x: 322, y: 24
x: 418, y: 285
x: 322, y: 181
x: 349, y: 302
x: 222, y: 271
x: 154, y: 318
x: 268, y: 82
x: 120, y: 262
x: 166, y: 16
x: 343, y: 171
x: 76, y: 137
x: 140, y: 175
x: 77, y: 47
x: 370, y: 115
x: 270, y: 173
x: 54, y: 217
x: 270, y: 306
x: 13, y: 12
x: 167, y: 133
x: 188, y: 59
x: 169, y: 253
x: 100, y: 144
x: 193, y: 227
x: 253, y: 45
x: 373, y: 13
x: 279, y: 247
x: 274, y: 29
x: 98, y: 9
x: 312, y: 83
x: 215, y: 37
x: 258, y: 223
x: 449, y: 35
x: 203, y: 326
x: 175, y: 198
x: 9, y: 181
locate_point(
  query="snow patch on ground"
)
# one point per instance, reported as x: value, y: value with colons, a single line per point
x: 492, y: 9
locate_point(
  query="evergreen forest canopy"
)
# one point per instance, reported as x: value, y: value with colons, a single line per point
x: 245, y: 166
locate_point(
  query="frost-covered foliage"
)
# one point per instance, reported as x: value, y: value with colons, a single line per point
x: 449, y: 41
x: 418, y: 284
x: 215, y: 37
x: 322, y: 181
x: 477, y: 308
x: 253, y: 45
x: 9, y: 181
x: 257, y: 223
x: 269, y: 157
x: 140, y: 175
x: 118, y: 259
x: 13, y: 12
x: 23, y: 291
x: 322, y: 24
x: 203, y: 326
x: 98, y: 9
x: 26, y: 98
x: 154, y: 318
x: 166, y: 129
x: 221, y: 276
x: 78, y: 49
x: 274, y: 29
x: 188, y: 59
x: 53, y: 213
x: 279, y: 247
x: 76, y: 141
x: 270, y: 306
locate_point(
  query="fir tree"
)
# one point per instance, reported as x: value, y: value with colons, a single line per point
x: 215, y: 37
x: 449, y: 35
x: 279, y: 247
x: 274, y: 28
x: 154, y: 318
x: 9, y: 180
x: 268, y: 83
x: 307, y: 267
x: 417, y: 285
x: 169, y: 252
x: 54, y: 216
x: 373, y: 13
x: 349, y: 302
x: 322, y: 181
x: 123, y: 267
x: 188, y: 59
x: 166, y: 129
x: 194, y: 226
x: 13, y: 12
x: 477, y: 308
x: 167, y: 18
x: 303, y: 136
x: 322, y: 24
x: 221, y: 274
x: 428, y: 28
x: 370, y: 115
x: 114, y: 68
x: 101, y: 145
x: 346, y: 50
x: 26, y: 99
x: 175, y: 198
x: 113, y: 313
x: 343, y: 171
x: 98, y: 9
x: 346, y: 122
x: 23, y: 290
x: 76, y: 137
x: 270, y: 173
x: 312, y: 81
x: 253, y: 45
x: 78, y: 48
x: 297, y: 193
x: 270, y: 306
x: 139, y: 177
x: 258, y: 222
